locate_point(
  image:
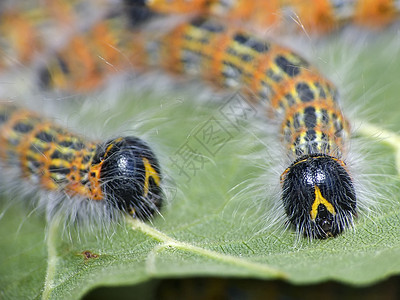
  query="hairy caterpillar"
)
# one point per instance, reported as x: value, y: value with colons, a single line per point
x: 97, y: 49
x: 314, y: 15
x: 84, y: 62
x: 317, y: 190
x: 121, y: 173
x: 314, y: 130
x: 29, y: 31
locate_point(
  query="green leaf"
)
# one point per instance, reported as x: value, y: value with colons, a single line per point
x: 214, y: 221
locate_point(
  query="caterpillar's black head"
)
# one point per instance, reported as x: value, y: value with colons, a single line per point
x: 318, y: 196
x: 130, y: 176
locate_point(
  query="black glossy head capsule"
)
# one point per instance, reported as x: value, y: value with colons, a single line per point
x: 130, y: 176
x: 318, y: 196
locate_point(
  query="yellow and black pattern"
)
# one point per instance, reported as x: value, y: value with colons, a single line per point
x: 122, y: 172
x: 97, y: 47
x: 85, y: 48
x: 299, y: 95
x: 85, y: 61
x: 313, y: 15
x: 317, y: 191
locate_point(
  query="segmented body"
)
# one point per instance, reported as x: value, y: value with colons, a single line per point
x: 48, y: 154
x: 313, y: 127
x: 317, y: 190
x: 57, y: 160
x: 314, y: 15
x: 85, y: 61
x: 96, y: 46
x: 68, y: 31
x: 299, y: 95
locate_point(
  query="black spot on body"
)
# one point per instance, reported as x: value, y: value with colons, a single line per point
x: 58, y: 155
x: 243, y: 56
x: 286, y: 66
x: 246, y: 58
x: 59, y: 170
x: 65, y: 143
x: 304, y: 92
x: 23, y: 127
x: 206, y: 24
x: 312, y: 147
x: 204, y: 40
x: 44, y: 78
x: 296, y: 121
x: 3, y: 117
x: 45, y: 137
x: 311, y: 135
x: 77, y: 145
x: 310, y: 118
x: 63, y: 65
x: 251, y: 42
x: 325, y: 116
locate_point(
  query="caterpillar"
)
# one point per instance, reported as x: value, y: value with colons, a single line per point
x: 122, y: 173
x: 318, y: 194
x: 315, y: 15
x: 83, y: 54
x: 29, y: 31
x: 19, y: 40
x: 84, y: 63
x: 96, y: 50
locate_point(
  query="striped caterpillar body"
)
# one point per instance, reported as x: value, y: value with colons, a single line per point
x: 122, y: 173
x: 315, y: 15
x: 84, y: 62
x: 317, y: 190
x: 28, y: 31
x: 318, y: 195
x: 97, y: 50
